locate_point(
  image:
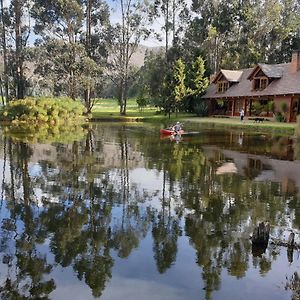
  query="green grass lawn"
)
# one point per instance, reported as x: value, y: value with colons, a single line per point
x: 108, y: 110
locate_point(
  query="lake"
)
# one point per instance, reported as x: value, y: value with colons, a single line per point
x: 122, y: 213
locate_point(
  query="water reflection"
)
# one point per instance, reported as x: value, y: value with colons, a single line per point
x: 120, y: 193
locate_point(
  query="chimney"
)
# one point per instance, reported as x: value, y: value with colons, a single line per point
x: 295, y: 63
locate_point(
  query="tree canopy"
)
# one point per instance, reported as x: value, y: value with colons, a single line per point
x: 81, y: 44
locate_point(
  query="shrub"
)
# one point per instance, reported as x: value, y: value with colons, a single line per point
x: 271, y: 106
x: 201, y: 109
x: 42, y: 110
x: 141, y: 102
x: 257, y: 108
x: 279, y: 117
x: 283, y: 107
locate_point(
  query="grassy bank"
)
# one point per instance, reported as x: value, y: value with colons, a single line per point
x: 108, y: 110
x: 266, y: 126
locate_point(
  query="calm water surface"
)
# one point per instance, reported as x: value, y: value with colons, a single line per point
x: 124, y: 214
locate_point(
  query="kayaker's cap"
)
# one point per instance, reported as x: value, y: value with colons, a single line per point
x: 177, y: 123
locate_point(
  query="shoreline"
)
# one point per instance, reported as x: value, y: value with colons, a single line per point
x: 234, y: 123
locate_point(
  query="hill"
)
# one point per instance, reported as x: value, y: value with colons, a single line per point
x: 138, y: 57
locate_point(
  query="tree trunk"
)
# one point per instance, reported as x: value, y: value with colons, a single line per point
x: 121, y: 97
x: 72, y: 86
x: 5, y: 71
x: 167, y: 25
x: 87, y: 93
x: 19, y: 51
x: 123, y: 57
x: 174, y: 19
x: 87, y: 100
x: 72, y: 83
x: 1, y: 91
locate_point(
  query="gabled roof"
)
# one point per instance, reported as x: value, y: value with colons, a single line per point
x: 287, y: 84
x: 230, y: 75
x: 271, y: 71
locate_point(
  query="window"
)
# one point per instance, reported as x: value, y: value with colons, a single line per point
x: 263, y: 83
x: 260, y: 83
x: 223, y: 86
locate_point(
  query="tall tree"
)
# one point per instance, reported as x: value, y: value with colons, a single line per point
x: 125, y: 39
x: 4, y: 48
x: 170, y: 11
x: 179, y: 91
x: 197, y: 83
x: 97, y: 22
x: 59, y: 23
x: 238, y: 34
x: 72, y: 50
x: 15, y: 35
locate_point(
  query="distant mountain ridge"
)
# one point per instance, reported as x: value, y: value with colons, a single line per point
x: 138, y: 57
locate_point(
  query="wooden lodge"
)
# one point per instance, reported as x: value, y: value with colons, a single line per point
x: 261, y: 91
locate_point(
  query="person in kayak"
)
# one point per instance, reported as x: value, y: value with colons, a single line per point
x: 177, y: 128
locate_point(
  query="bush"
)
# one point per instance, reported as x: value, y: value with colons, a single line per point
x: 42, y: 110
x: 271, y: 106
x: 141, y: 102
x: 279, y: 117
x: 201, y: 109
x: 283, y: 107
x: 257, y: 108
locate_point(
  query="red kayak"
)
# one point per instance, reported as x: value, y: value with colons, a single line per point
x: 170, y: 131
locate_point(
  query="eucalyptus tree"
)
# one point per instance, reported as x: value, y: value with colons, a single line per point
x: 59, y: 24
x: 4, y: 51
x: 97, y: 24
x: 211, y: 27
x: 126, y: 36
x: 152, y: 75
x: 20, y: 11
x: 238, y: 34
x: 70, y: 47
x: 170, y: 11
x: 283, y: 34
x: 15, y: 32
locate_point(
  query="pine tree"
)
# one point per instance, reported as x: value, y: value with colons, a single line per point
x: 198, y: 81
x: 196, y: 85
x: 179, y: 90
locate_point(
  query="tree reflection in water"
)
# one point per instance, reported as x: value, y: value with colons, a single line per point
x: 79, y: 202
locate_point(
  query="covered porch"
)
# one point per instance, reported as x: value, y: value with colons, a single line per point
x: 267, y: 107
